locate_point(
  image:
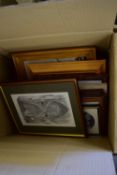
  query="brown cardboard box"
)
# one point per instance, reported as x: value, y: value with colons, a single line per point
x: 58, y: 24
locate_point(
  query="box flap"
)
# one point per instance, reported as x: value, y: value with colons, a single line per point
x: 50, y: 20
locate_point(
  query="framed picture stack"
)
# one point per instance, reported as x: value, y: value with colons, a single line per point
x: 58, y: 92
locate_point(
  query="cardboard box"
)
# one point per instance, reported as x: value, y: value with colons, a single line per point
x: 58, y: 24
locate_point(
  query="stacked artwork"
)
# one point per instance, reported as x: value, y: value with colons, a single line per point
x: 68, y: 101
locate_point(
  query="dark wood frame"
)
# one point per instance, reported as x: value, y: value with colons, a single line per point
x: 69, y: 86
x: 98, y: 109
x: 98, y: 96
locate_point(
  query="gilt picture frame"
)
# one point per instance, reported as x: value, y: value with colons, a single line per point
x: 57, y: 68
x: 45, y: 108
x: 21, y: 60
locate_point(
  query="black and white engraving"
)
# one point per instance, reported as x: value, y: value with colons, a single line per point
x: 44, y: 109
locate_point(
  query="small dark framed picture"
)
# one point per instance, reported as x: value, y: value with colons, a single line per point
x: 92, y: 115
x: 97, y: 97
x: 46, y: 107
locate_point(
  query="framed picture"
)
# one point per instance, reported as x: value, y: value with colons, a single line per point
x: 97, y: 97
x: 93, y: 85
x: 22, y: 59
x: 92, y: 115
x: 46, y: 108
x: 84, y: 67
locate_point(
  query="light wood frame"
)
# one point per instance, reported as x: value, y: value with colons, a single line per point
x: 92, y: 66
x: 22, y: 59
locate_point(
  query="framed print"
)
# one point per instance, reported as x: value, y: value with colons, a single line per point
x: 93, y: 97
x: 22, y: 59
x: 84, y: 67
x: 94, y: 85
x: 92, y: 114
x: 47, y: 107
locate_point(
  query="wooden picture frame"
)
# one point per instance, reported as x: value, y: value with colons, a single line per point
x: 84, y: 67
x: 46, y: 108
x: 97, y: 97
x: 22, y: 59
x: 92, y: 117
x: 93, y: 84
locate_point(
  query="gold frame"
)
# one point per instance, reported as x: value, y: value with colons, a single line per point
x: 20, y: 58
x: 92, y: 66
